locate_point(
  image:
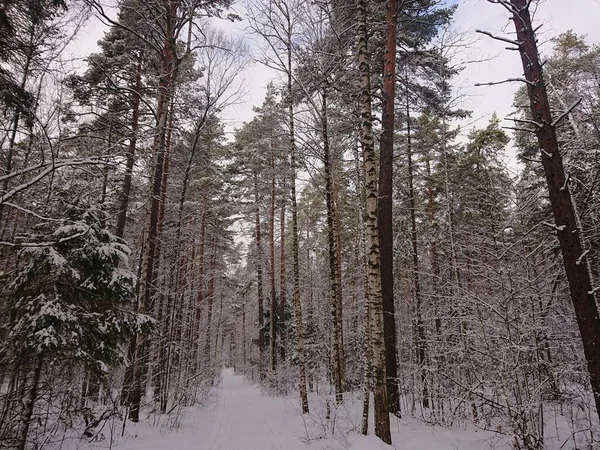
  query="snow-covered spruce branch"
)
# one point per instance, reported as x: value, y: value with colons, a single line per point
x: 49, y: 168
x: 45, y: 243
x: 32, y: 213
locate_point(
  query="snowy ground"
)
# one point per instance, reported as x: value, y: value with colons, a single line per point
x: 241, y: 417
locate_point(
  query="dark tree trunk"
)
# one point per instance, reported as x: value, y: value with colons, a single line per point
x: 384, y: 208
x: 140, y: 354
x: 563, y: 209
x: 29, y: 403
x: 282, y: 284
x: 259, y: 270
x: 130, y: 156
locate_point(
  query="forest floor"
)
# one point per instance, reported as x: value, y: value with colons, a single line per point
x: 241, y: 417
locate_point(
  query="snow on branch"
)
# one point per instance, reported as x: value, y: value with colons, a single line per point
x: 50, y: 167
x: 582, y: 257
x: 567, y: 112
x: 519, y: 129
x: 528, y: 121
x: 500, y: 38
x: 566, y: 183
x: 508, y: 80
x: 555, y: 227
x: 81, y: 233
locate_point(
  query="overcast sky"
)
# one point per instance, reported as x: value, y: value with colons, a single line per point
x: 493, y: 62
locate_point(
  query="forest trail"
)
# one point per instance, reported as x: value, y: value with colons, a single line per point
x: 241, y: 417
x: 244, y: 418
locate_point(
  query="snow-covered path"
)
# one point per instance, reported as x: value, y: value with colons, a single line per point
x: 243, y: 418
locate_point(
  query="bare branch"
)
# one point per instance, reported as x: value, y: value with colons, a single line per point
x: 508, y: 80
x: 500, y: 38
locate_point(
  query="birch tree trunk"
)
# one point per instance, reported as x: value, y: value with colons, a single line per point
x: 335, y: 290
x: 382, y: 417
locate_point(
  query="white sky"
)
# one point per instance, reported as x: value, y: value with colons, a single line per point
x: 494, y: 63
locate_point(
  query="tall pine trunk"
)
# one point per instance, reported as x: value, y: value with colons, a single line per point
x: 259, y: 269
x: 384, y: 205
x: 273, y: 302
x: 140, y: 348
x: 282, y: 282
x: 130, y: 156
x: 561, y: 201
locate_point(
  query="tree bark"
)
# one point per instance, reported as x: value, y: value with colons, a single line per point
x: 259, y: 270
x: 29, y: 403
x: 283, y: 282
x: 148, y: 258
x: 562, y: 204
x: 296, y: 301
x: 273, y: 303
x: 384, y: 204
x: 420, y: 328
x: 382, y: 417
x: 335, y: 290
x: 130, y: 156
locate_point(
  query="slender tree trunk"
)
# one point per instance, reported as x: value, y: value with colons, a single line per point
x: 200, y: 284
x: 130, y: 156
x: 15, y: 124
x: 384, y: 204
x: 29, y: 403
x: 382, y: 417
x: 562, y: 204
x: 420, y: 328
x: 259, y: 270
x: 364, y: 264
x: 339, y: 298
x: 273, y: 303
x: 17, y: 113
x: 283, y: 282
x: 210, y: 299
x: 145, y: 288
x: 334, y: 287
x: 296, y: 301
x: 433, y: 245
x: 105, y: 172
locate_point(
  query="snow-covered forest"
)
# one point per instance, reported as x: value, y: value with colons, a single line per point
x: 361, y: 262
